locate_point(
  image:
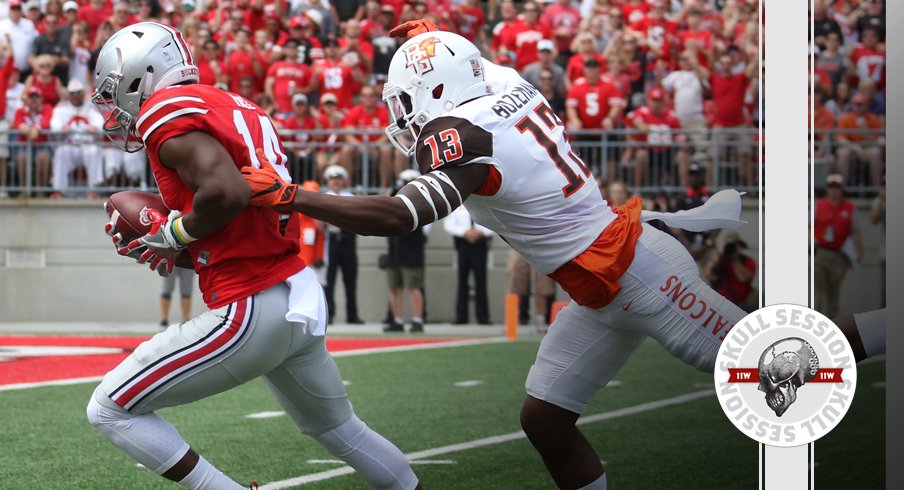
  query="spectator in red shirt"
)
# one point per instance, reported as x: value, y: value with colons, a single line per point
x: 660, y: 130
x: 593, y: 104
x: 659, y: 33
x: 699, y: 37
x: 32, y: 118
x: 563, y: 19
x: 731, y: 272
x: 308, y: 149
x: 43, y: 79
x: 522, y: 38
x: 337, y: 77
x: 95, y: 13
x: 351, y: 40
x: 729, y: 88
x: 868, y: 148
x: 243, y: 62
x: 868, y: 58
x: 835, y: 221
x: 121, y: 16
x: 509, y: 13
x: 370, y: 115
x: 634, y: 10
x: 584, y: 45
x: 287, y: 77
x: 209, y: 62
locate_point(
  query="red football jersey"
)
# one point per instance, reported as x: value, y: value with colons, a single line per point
x: 259, y: 247
x: 869, y: 63
x: 359, y: 118
x: 593, y: 102
x: 335, y: 79
x: 287, y: 77
x: 662, y: 127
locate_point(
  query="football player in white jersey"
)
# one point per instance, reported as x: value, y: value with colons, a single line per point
x: 485, y: 138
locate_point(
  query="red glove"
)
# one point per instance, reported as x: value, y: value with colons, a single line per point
x: 412, y: 28
x: 159, y: 248
x: 268, y: 189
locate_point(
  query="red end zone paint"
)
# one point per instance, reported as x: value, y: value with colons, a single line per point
x: 21, y: 360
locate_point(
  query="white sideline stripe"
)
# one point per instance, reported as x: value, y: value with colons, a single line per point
x: 57, y: 382
x: 264, y: 415
x: 490, y: 441
x: 468, y: 383
x: 420, y: 461
x: 374, y: 350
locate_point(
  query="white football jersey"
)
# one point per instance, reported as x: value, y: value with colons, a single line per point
x: 547, y: 205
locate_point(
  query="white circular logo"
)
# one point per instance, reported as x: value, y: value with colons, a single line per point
x: 785, y: 375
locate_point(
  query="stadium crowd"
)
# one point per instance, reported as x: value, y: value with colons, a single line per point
x: 673, y: 75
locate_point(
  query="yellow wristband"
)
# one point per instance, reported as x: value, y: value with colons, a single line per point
x: 180, y: 234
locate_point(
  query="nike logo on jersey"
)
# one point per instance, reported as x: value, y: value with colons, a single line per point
x: 628, y: 305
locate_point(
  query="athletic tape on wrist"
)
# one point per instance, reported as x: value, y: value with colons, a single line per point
x: 180, y: 234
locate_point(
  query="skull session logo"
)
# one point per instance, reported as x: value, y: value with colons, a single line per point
x: 785, y: 375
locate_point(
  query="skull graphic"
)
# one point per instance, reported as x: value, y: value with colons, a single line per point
x: 784, y: 367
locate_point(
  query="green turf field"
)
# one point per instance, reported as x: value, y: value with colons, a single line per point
x: 412, y: 398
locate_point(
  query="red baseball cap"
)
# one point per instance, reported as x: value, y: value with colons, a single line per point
x: 657, y: 94
x: 15, y: 3
x: 34, y: 91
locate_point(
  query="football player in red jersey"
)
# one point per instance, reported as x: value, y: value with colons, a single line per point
x: 267, y: 312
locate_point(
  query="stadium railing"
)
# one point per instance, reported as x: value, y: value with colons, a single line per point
x: 610, y: 155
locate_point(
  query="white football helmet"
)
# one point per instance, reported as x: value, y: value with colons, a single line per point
x: 429, y: 75
x: 133, y: 64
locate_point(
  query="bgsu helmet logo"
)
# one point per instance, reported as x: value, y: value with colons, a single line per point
x: 418, y: 56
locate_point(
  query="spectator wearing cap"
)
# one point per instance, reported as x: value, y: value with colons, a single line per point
x: 699, y: 244
x: 287, y: 77
x: 343, y: 75
x: 32, y: 12
x: 307, y: 148
x: 94, y: 13
x: 43, y: 79
x: 22, y: 33
x: 656, y: 150
x: 730, y: 87
x: 592, y: 104
x: 80, y: 126
x: 341, y: 251
x: 546, y: 51
x: 370, y: 115
x: 30, y: 120
x: 522, y: 38
x: 404, y: 264
x: 53, y: 44
x: 865, y: 142
x: 328, y: 106
x: 563, y: 18
x: 584, y: 45
x: 68, y: 18
x: 321, y: 17
x: 472, y: 245
x: 835, y: 224
x: 731, y: 272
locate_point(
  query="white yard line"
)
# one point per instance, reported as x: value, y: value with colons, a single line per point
x: 356, y: 352
x: 490, y: 441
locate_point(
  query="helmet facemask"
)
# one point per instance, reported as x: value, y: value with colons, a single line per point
x: 119, y: 123
x: 403, y: 129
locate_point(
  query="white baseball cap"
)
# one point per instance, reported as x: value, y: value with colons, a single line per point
x: 69, y: 5
x: 545, y: 45
x: 335, y: 171
x: 75, y: 85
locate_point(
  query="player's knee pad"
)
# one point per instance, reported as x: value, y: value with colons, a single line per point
x: 380, y: 463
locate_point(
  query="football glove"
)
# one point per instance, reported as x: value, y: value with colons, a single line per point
x: 412, y: 28
x: 160, y: 247
x: 268, y: 189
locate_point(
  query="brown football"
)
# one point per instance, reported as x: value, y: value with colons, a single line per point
x: 128, y: 212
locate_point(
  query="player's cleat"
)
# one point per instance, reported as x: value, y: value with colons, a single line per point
x: 417, y: 327
x: 394, y: 327
x: 253, y: 485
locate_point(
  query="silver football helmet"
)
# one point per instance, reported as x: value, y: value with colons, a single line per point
x: 133, y: 64
x: 429, y: 75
